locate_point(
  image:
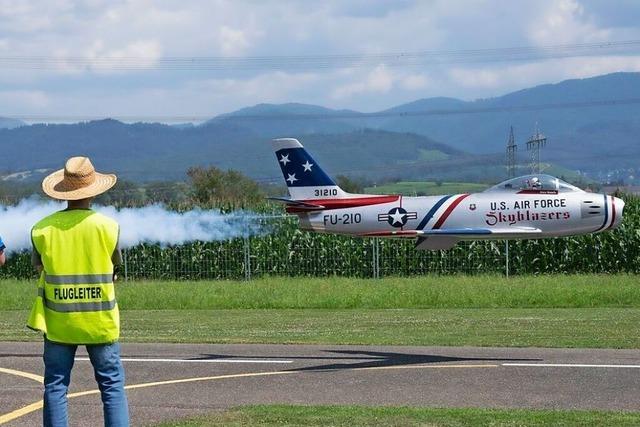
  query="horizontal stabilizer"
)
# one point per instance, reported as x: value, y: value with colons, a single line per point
x: 297, y: 204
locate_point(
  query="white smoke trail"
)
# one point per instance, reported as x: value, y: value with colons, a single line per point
x: 151, y: 224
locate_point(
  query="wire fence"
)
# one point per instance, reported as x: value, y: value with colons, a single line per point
x: 284, y: 250
x: 322, y: 256
x: 307, y: 255
x: 247, y: 259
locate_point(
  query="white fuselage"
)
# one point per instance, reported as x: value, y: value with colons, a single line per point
x: 503, y: 213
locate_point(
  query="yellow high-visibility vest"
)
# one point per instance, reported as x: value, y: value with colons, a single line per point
x: 76, y: 302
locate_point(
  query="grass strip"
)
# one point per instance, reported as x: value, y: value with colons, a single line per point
x: 286, y: 415
x: 556, y: 291
x: 542, y: 327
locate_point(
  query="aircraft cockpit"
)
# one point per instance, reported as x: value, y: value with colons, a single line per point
x: 534, y: 184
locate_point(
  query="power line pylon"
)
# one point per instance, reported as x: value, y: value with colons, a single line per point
x: 534, y: 144
x: 512, y: 149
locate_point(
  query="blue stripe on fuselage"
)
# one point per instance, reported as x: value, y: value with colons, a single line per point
x: 606, y: 213
x: 432, y: 212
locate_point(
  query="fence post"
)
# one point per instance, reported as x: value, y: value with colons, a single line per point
x: 506, y: 257
x: 126, y: 266
x: 247, y: 259
x: 376, y: 258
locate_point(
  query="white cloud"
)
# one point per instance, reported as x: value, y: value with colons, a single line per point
x: 199, y: 98
x: 102, y: 32
x: 564, y: 21
x: 271, y: 87
x: 504, y: 78
x: 23, y: 100
x: 379, y: 80
x: 414, y: 82
x: 233, y: 42
x: 476, y: 78
x: 145, y: 53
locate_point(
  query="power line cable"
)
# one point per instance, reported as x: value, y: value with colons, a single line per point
x: 302, y: 62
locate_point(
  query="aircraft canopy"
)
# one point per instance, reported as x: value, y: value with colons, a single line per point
x: 537, y: 183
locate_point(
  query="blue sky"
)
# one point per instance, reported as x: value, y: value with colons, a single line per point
x: 84, y: 40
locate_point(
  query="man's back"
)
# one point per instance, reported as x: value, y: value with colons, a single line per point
x: 75, y: 232
x: 76, y: 291
x: 75, y: 251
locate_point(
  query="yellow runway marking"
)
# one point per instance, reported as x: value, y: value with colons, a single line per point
x: 20, y: 412
x: 38, y: 405
x: 34, y: 377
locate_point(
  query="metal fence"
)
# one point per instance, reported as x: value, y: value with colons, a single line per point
x: 287, y: 251
x: 250, y: 258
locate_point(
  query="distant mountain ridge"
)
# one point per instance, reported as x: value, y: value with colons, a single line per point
x: 588, y: 136
x: 156, y: 152
x: 436, y: 135
x: 7, y: 123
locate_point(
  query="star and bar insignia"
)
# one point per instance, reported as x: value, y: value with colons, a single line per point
x: 397, y: 217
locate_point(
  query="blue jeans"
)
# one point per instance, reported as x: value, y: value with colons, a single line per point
x: 109, y: 373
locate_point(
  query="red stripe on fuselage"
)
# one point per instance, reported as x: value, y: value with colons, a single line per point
x: 450, y: 209
x: 353, y: 202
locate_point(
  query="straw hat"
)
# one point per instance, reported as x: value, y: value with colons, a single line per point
x: 78, y: 180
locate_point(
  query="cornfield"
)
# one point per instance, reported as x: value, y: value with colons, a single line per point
x: 287, y: 251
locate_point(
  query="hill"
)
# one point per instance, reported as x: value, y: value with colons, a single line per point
x: 151, y: 152
x: 582, y: 133
x: 591, y: 137
x: 273, y: 120
x: 7, y: 123
x: 436, y: 138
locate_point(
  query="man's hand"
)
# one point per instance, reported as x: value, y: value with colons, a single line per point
x: 3, y: 258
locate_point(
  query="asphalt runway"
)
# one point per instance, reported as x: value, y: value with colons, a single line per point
x: 169, y: 381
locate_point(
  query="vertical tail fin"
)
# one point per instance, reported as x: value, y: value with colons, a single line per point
x: 304, y: 177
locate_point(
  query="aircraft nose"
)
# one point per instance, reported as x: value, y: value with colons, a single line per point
x: 619, y: 206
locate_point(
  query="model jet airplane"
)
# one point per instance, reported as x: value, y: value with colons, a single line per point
x: 528, y: 207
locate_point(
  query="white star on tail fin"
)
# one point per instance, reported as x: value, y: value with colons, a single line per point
x: 284, y: 159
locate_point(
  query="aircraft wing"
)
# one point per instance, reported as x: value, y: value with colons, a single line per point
x: 454, y: 232
x: 441, y: 239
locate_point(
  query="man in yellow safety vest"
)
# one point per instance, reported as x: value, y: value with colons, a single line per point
x: 2, y: 248
x: 75, y: 250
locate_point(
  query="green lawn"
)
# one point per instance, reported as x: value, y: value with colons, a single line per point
x: 586, y: 327
x: 600, y: 311
x: 347, y: 416
x: 553, y: 291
